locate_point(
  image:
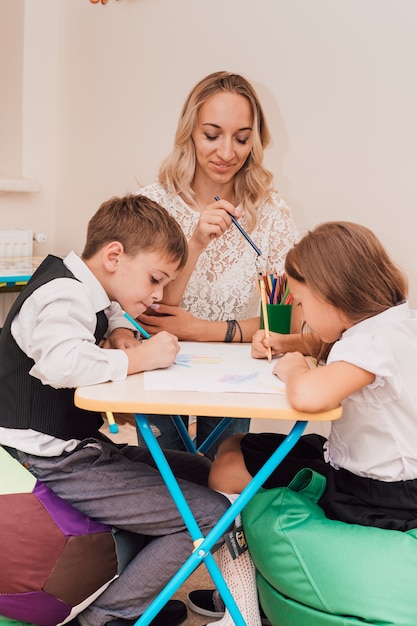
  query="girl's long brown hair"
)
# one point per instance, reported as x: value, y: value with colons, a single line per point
x: 346, y: 265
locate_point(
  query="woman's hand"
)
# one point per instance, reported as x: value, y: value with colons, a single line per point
x: 214, y: 221
x: 174, y: 320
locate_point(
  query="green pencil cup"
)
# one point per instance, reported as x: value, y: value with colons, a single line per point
x: 279, y: 318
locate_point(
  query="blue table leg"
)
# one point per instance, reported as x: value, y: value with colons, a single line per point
x: 183, y: 433
x: 203, y: 545
x: 185, y: 436
x: 216, y: 432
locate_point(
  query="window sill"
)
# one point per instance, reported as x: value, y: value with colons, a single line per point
x: 25, y: 185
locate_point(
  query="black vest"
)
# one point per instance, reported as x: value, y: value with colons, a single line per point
x: 24, y: 401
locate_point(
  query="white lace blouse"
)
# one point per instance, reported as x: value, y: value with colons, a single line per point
x: 223, y: 285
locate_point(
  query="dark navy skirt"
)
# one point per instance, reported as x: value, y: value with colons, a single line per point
x: 348, y: 497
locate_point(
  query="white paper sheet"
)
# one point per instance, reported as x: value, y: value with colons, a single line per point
x: 216, y: 367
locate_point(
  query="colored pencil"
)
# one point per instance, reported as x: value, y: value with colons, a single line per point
x: 113, y: 427
x: 265, y: 316
x: 243, y: 231
x: 137, y: 326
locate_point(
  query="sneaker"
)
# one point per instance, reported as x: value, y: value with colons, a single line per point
x: 208, y: 602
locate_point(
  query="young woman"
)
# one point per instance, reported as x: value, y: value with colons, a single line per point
x: 218, y: 152
x: 354, y: 297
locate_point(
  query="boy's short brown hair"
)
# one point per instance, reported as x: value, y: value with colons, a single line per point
x: 139, y: 224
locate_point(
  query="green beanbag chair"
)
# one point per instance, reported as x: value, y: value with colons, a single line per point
x: 313, y: 571
x: 5, y: 621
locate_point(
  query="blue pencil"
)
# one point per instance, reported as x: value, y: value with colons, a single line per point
x: 136, y: 325
x: 243, y: 231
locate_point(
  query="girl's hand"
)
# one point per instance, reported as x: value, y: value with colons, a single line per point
x: 322, y: 388
x: 260, y: 344
x: 288, y: 364
x: 214, y: 221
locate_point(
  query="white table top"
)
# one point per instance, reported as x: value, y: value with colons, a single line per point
x: 130, y: 396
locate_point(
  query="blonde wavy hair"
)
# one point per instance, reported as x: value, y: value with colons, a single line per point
x: 253, y: 183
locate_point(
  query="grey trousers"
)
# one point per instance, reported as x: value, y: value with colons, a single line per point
x: 121, y: 487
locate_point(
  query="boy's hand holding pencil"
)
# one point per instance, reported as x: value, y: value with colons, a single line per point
x: 156, y: 352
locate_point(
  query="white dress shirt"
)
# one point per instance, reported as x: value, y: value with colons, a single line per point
x: 55, y: 327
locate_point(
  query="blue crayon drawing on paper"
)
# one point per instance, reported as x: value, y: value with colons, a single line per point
x: 215, y: 367
x: 238, y: 379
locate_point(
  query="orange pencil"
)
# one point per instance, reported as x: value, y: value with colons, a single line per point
x: 265, y: 316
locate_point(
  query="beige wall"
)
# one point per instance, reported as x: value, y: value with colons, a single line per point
x: 11, y: 76
x: 103, y: 85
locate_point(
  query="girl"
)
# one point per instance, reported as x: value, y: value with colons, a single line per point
x: 354, y: 297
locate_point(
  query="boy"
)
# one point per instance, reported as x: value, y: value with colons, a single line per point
x: 51, y: 343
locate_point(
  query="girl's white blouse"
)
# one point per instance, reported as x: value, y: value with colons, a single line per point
x: 376, y: 436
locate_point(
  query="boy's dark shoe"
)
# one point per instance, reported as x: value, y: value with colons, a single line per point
x: 206, y: 602
x: 209, y: 603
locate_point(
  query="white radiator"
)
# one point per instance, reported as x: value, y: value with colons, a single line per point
x: 14, y: 242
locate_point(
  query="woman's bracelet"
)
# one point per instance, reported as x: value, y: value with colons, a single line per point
x: 231, y: 331
x: 232, y: 325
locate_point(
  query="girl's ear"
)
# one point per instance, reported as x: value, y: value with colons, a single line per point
x: 111, y: 255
